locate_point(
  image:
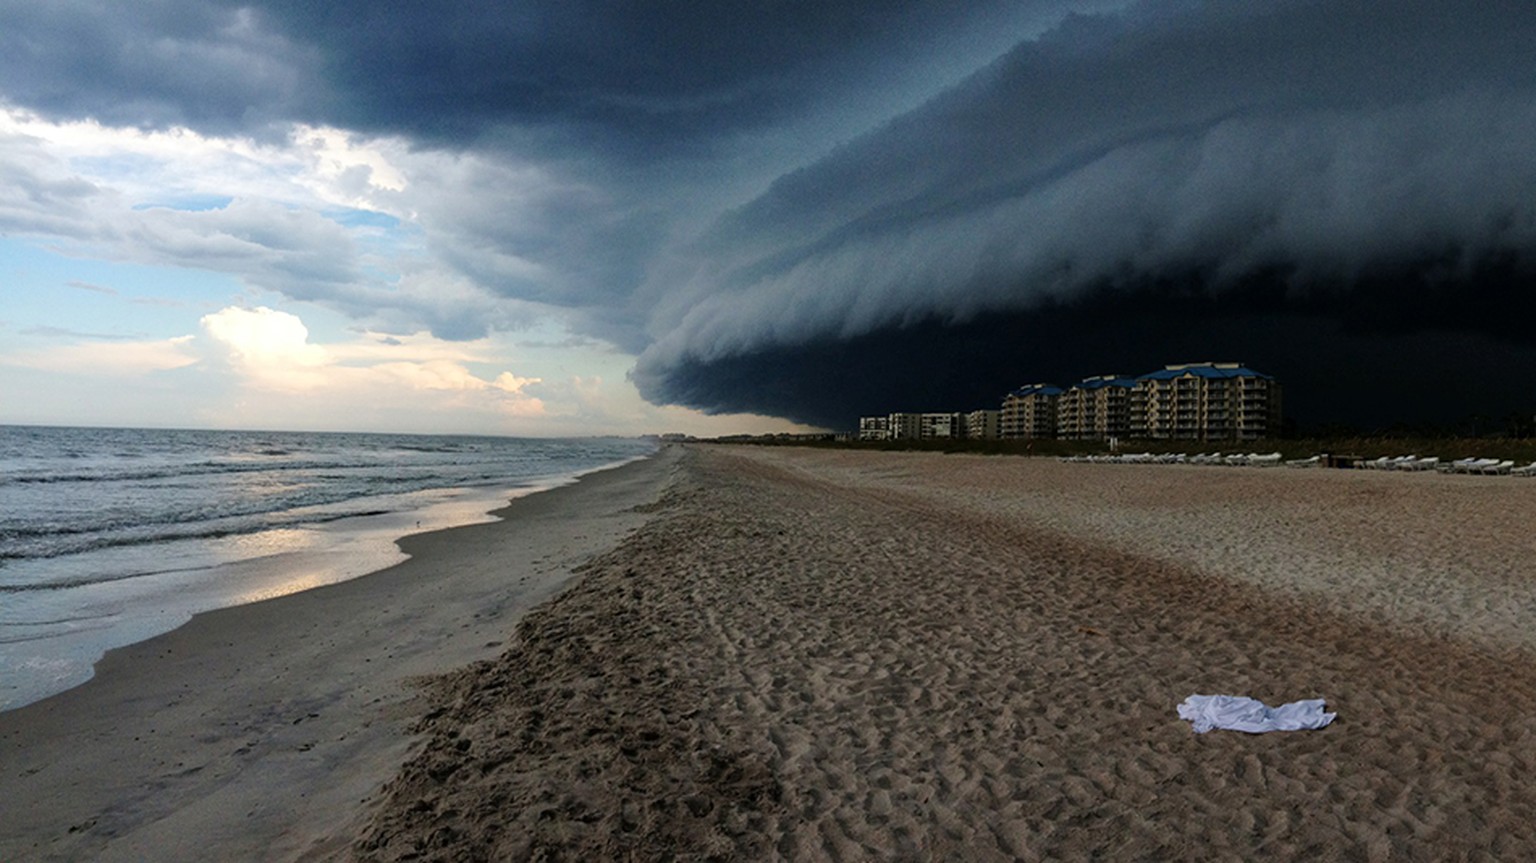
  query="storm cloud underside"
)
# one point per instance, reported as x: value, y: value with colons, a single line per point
x: 1327, y: 192
x: 827, y: 209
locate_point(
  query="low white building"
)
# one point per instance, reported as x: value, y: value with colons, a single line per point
x: 905, y: 426
x: 940, y: 426
x: 874, y: 428
x: 913, y: 426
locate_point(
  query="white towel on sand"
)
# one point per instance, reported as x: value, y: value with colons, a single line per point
x: 1240, y: 713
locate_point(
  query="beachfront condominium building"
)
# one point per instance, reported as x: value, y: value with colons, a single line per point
x: 874, y: 428
x: 1186, y: 401
x: 1030, y: 412
x: 905, y: 426
x: 940, y: 426
x: 913, y: 426
x: 983, y: 424
x: 1205, y: 402
x: 1095, y: 408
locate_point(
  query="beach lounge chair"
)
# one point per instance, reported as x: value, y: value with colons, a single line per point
x: 1428, y: 463
x: 1528, y: 470
x: 1498, y: 467
x: 1314, y: 461
x: 1267, y: 460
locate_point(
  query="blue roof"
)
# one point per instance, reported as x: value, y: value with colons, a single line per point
x: 1037, y: 389
x: 1103, y: 381
x: 1205, y: 370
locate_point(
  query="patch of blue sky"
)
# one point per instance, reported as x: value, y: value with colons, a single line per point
x: 50, y: 292
x: 118, y: 166
x: 385, y: 243
x: 356, y: 218
x: 188, y: 203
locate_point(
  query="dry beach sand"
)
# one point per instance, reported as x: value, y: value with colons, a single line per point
x: 818, y: 654
x: 854, y: 656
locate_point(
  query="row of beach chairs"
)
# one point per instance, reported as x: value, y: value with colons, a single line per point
x: 1489, y: 466
x: 1252, y: 459
x: 1486, y: 466
x: 1410, y: 463
x: 1413, y: 463
x: 1402, y: 462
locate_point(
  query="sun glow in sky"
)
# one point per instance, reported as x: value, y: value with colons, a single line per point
x: 168, y: 278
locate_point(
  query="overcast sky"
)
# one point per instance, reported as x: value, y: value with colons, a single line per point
x: 570, y: 217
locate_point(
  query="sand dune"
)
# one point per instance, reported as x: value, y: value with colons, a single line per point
x: 848, y: 656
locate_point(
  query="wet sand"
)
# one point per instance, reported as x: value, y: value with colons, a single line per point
x: 265, y: 731
x: 829, y: 655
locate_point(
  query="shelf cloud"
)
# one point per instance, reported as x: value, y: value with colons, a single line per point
x: 819, y: 210
x: 1339, y: 191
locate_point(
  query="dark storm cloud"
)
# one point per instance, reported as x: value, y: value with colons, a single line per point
x: 631, y: 80
x: 634, y: 81
x: 1284, y: 163
x: 1380, y: 355
x: 745, y: 195
x: 151, y: 64
x: 602, y: 129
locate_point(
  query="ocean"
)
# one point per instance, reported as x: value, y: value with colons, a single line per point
x: 112, y: 536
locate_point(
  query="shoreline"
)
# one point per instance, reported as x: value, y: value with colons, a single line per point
x: 109, y: 613
x: 258, y: 731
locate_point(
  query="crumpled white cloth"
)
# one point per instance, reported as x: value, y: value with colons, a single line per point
x: 1241, y: 713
